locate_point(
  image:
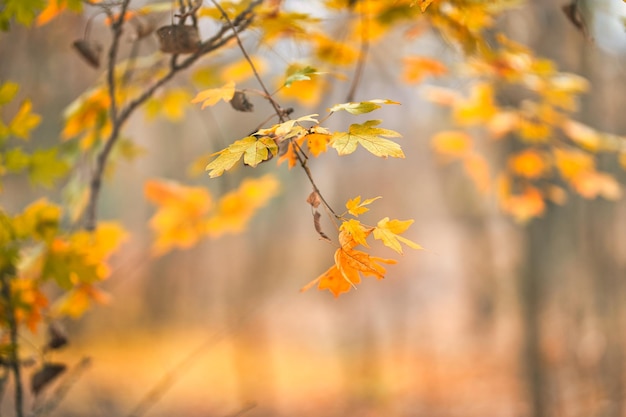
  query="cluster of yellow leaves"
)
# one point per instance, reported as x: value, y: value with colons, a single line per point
x: 552, y: 148
x: 350, y: 263
x: 187, y: 214
x: 33, y: 243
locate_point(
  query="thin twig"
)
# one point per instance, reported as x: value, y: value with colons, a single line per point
x: 61, y: 392
x: 279, y: 111
x: 152, y: 397
x: 221, y: 38
x: 363, y: 52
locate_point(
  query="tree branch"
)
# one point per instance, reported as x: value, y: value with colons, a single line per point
x: 118, y: 118
x: 14, y: 363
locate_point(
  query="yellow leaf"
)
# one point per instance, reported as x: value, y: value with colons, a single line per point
x: 253, y: 150
x: 356, y: 207
x: 211, y: 96
x: 572, y: 163
x: 356, y: 230
x: 368, y: 136
x: 478, y: 108
x: 582, y: 134
x: 388, y: 231
x: 452, y: 144
x: 24, y: 121
x: 241, y: 70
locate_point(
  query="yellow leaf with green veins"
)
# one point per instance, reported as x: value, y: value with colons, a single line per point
x: 252, y: 149
x: 361, y: 107
x: 370, y: 137
x: 388, y: 231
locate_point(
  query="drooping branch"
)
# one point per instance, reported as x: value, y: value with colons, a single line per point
x: 119, y: 116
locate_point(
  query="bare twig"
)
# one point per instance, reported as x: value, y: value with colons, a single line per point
x: 176, y: 372
x: 60, y: 393
x: 279, y: 111
x: 221, y: 38
x: 363, y: 52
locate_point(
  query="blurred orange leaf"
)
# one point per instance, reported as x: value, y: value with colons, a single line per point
x: 416, y: 68
x: 529, y: 164
x: 211, y: 96
x: 180, y: 217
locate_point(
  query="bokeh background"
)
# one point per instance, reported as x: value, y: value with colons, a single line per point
x: 491, y: 319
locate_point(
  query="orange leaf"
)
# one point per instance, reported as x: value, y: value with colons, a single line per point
x: 477, y: 168
x: 528, y: 164
x: 416, y: 68
x: 52, y: 10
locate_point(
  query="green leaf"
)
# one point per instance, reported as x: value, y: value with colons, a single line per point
x: 22, y: 11
x: 253, y: 150
x: 300, y: 74
x: 15, y: 160
x: 8, y: 91
x: 46, y: 167
x: 361, y: 107
x: 368, y: 136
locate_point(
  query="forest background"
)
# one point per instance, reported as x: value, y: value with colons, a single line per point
x: 515, y: 305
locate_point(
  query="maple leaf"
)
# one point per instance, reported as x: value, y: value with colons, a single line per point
x: 295, y: 74
x: 452, y: 144
x: 180, y: 218
x: 356, y: 207
x: 24, y: 121
x: 368, y: 136
x: 349, y: 265
x: 416, y: 68
x: 236, y: 208
x: 357, y: 231
x: 253, y: 150
x: 388, y: 231
x: 361, y: 107
x: 211, y: 96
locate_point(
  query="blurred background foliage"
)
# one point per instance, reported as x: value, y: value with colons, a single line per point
x: 492, y: 319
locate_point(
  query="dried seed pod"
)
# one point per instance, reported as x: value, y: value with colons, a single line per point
x: 240, y: 102
x: 48, y: 373
x: 177, y: 39
x: 89, y: 50
x: 56, y: 337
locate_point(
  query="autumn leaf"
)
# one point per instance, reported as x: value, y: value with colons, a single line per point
x: 389, y: 231
x: 300, y: 74
x: 236, y: 208
x: 416, y: 68
x: 357, y: 231
x: 180, y: 217
x: 368, y: 136
x: 24, y: 121
x: 452, y: 144
x: 479, y: 107
x: 361, y: 107
x: 349, y: 265
x: 529, y: 164
x: 477, y: 169
x: 211, y: 96
x: 253, y: 150
x: 356, y: 207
